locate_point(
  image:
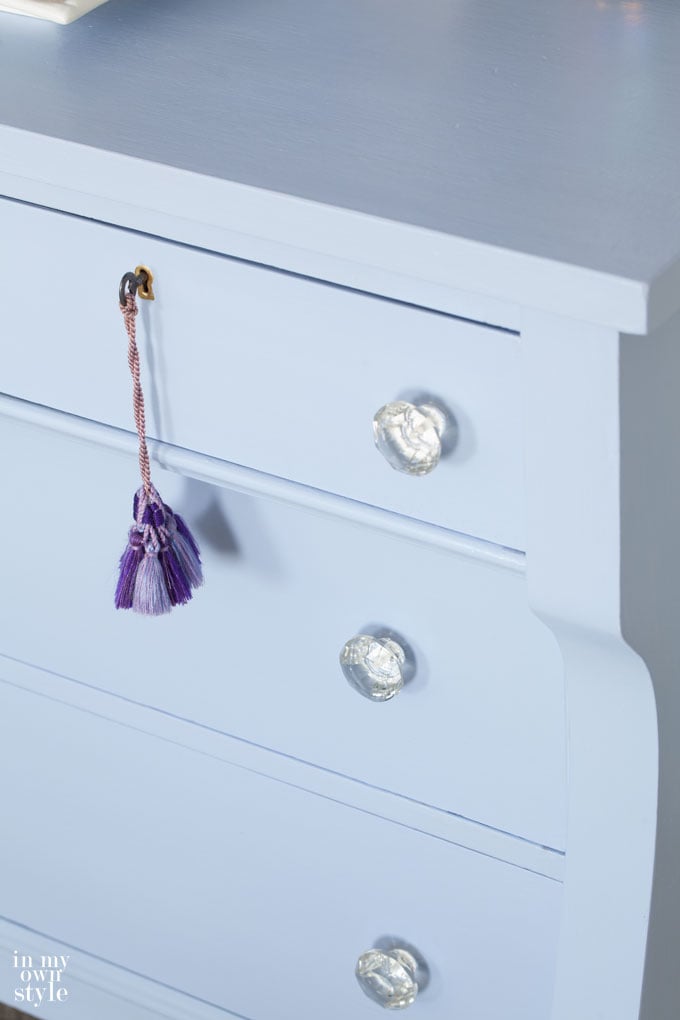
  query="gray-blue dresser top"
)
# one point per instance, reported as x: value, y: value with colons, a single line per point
x: 549, y: 127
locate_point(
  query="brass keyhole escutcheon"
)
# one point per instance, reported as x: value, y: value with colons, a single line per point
x: 145, y: 289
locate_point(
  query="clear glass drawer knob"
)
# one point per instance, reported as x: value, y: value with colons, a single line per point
x: 409, y: 436
x: 391, y: 977
x: 374, y: 666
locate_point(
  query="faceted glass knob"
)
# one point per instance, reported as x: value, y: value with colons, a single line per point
x: 409, y: 436
x: 374, y: 666
x: 389, y: 977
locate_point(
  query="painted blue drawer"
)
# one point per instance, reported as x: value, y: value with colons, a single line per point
x: 479, y: 731
x: 264, y: 369
x: 246, y: 892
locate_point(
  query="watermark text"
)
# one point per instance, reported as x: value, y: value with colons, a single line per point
x: 39, y: 979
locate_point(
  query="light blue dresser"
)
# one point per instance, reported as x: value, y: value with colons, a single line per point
x: 411, y: 375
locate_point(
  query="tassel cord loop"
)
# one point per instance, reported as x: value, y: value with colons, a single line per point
x: 161, y: 563
x: 129, y: 311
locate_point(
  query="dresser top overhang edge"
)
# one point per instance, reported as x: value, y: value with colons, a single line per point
x: 397, y: 260
x: 545, y: 129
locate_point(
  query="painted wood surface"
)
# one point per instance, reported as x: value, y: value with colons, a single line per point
x: 316, y: 241
x: 602, y: 571
x: 264, y: 369
x: 539, y: 129
x: 479, y: 730
x: 318, y: 782
x: 251, y: 482
x: 539, y: 184
x: 96, y: 988
x: 650, y: 608
x: 206, y: 879
x: 397, y: 260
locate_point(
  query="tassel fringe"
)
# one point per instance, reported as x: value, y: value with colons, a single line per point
x: 161, y: 564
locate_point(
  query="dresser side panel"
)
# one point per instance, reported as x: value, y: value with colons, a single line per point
x: 650, y: 578
x: 573, y: 559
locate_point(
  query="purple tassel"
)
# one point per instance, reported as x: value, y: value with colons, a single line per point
x: 151, y: 597
x: 176, y: 581
x: 189, y: 562
x: 129, y: 562
x: 186, y: 534
x: 161, y: 564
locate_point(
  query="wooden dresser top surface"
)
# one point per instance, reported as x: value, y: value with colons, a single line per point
x: 547, y: 128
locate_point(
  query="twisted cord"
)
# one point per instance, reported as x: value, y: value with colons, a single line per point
x: 129, y: 310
